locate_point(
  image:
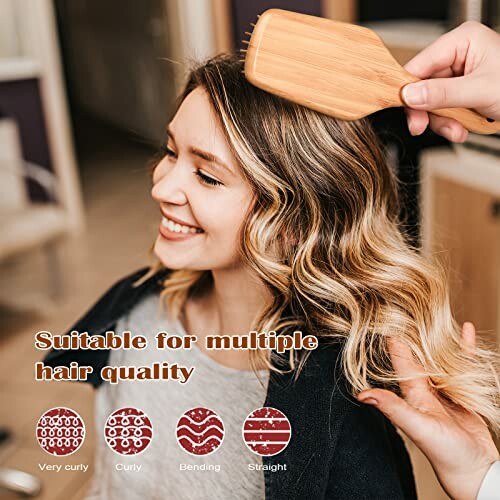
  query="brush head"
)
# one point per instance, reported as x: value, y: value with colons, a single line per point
x: 336, y: 68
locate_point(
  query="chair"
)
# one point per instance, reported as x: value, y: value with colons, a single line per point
x: 26, y: 225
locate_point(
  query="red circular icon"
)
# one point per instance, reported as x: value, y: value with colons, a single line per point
x: 60, y: 431
x: 128, y: 431
x: 267, y: 431
x: 200, y: 431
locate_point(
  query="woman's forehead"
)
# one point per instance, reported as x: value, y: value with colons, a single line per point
x: 196, y: 126
x: 196, y: 122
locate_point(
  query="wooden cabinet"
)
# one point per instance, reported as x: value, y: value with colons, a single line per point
x: 461, y: 228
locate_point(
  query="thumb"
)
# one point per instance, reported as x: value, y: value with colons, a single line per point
x: 398, y: 411
x: 455, y: 92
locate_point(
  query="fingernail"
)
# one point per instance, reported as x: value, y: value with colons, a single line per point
x: 370, y: 401
x: 448, y: 132
x: 451, y: 134
x: 414, y: 94
x: 414, y: 132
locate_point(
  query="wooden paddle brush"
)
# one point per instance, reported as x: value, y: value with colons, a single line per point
x: 337, y: 68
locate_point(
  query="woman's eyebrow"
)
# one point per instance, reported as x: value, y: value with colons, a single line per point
x: 205, y: 155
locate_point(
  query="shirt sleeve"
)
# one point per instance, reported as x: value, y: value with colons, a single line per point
x: 490, y: 487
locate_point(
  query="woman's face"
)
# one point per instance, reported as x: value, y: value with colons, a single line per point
x: 201, y: 191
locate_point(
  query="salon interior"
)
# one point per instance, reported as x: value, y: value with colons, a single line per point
x: 86, y: 89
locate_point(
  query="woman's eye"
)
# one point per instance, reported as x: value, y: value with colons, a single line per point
x: 206, y: 179
x: 166, y: 151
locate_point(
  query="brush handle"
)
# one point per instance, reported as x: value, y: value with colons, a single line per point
x: 468, y: 118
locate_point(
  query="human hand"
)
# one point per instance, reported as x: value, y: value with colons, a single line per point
x: 457, y: 443
x: 460, y: 69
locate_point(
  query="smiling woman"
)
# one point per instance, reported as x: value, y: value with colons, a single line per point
x: 276, y: 218
x: 202, y: 196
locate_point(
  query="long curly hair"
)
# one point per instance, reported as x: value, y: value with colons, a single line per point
x: 324, y: 236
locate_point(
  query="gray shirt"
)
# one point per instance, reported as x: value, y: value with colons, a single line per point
x: 233, y: 394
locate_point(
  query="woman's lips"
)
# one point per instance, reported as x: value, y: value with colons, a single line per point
x: 173, y: 231
x: 175, y: 220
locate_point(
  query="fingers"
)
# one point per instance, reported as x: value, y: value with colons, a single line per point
x: 468, y: 337
x: 413, y: 423
x: 444, y: 73
x: 448, y: 128
x: 460, y: 69
x: 440, y: 55
x: 417, y: 121
x: 405, y: 366
x: 461, y: 91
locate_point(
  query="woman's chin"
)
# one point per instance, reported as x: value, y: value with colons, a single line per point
x: 169, y: 257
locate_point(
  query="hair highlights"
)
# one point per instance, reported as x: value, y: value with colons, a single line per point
x: 324, y: 236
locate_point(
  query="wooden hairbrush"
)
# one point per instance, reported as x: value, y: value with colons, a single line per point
x: 336, y: 68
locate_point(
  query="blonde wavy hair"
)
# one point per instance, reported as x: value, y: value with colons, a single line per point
x: 324, y: 236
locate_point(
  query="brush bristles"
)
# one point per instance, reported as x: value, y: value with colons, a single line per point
x: 247, y: 42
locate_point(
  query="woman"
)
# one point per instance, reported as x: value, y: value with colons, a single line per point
x: 276, y: 218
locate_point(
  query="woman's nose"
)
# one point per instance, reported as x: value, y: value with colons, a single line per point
x: 171, y: 187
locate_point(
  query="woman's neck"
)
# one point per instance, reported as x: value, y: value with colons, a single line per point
x: 234, y: 301
x: 228, y: 308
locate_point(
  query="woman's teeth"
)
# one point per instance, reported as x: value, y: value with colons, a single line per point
x: 178, y: 228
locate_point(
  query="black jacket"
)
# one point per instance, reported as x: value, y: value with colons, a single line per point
x: 340, y: 449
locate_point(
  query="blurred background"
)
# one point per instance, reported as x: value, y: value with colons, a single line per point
x: 86, y: 89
